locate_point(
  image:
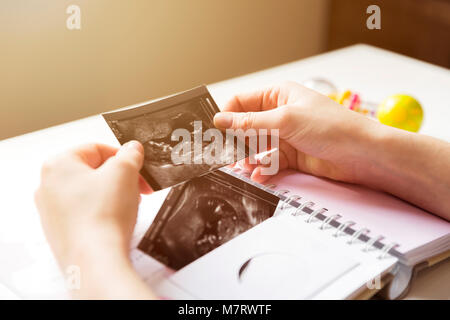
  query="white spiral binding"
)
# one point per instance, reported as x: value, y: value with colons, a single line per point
x: 314, y: 214
x: 281, y: 192
x: 386, y: 249
x: 299, y: 211
x: 369, y: 245
x: 326, y: 223
x: 340, y: 230
x: 269, y: 186
x: 290, y: 199
x: 356, y: 234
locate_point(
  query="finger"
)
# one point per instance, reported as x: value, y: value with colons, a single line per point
x: 277, y: 155
x: 249, y: 164
x: 263, y: 144
x: 264, y: 171
x: 261, y: 178
x: 257, y: 176
x: 245, y: 165
x: 271, y: 119
x: 88, y: 156
x: 93, y: 154
x: 129, y: 158
x: 258, y: 100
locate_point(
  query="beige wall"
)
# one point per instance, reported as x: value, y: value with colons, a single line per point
x: 135, y: 50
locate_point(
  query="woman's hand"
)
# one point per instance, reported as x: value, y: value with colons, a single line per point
x: 317, y: 135
x: 320, y: 137
x: 88, y: 201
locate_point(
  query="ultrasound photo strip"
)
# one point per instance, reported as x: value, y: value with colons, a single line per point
x: 153, y: 124
x: 202, y: 214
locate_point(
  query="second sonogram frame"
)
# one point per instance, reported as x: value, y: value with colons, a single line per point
x: 153, y: 125
x: 202, y: 214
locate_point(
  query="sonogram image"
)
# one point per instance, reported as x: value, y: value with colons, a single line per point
x: 154, y: 132
x: 153, y: 125
x: 202, y: 214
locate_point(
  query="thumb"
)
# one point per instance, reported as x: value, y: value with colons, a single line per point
x: 270, y: 119
x: 130, y: 157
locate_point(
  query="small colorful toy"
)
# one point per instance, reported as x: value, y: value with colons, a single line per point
x: 398, y: 110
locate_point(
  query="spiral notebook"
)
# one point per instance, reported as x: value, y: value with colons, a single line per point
x: 301, y: 251
x: 311, y: 250
x: 418, y: 234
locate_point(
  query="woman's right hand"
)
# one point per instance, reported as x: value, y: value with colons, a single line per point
x: 320, y: 137
x: 317, y: 135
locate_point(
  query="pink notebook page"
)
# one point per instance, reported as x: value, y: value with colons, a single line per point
x: 380, y: 212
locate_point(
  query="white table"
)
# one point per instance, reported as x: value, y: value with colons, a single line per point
x: 370, y: 71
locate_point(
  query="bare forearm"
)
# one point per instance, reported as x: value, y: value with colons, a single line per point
x: 411, y: 166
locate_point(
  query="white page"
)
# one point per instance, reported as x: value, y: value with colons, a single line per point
x: 291, y: 263
x: 7, y: 294
x: 397, y: 220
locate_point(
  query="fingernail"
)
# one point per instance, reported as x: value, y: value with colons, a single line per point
x: 133, y: 144
x: 223, y: 119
